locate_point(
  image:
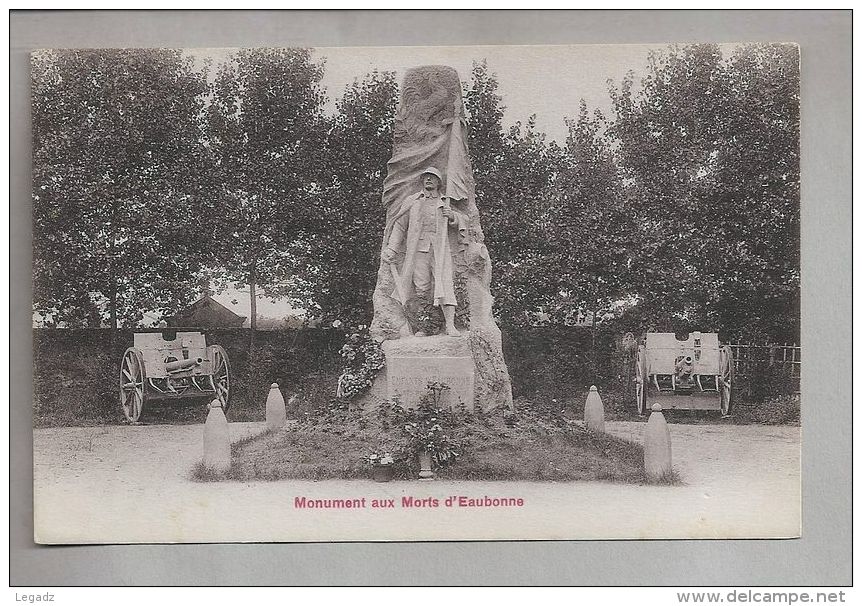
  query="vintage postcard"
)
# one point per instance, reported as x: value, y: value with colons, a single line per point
x: 416, y: 293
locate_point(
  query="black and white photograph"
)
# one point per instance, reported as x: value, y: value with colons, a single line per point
x: 295, y: 294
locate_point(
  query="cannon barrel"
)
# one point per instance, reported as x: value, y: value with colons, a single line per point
x: 178, y: 365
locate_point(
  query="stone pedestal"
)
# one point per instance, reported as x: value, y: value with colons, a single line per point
x: 412, y: 363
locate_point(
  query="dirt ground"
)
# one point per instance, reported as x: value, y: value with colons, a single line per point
x: 130, y: 484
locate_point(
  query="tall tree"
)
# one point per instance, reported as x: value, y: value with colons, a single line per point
x: 590, y: 228
x: 266, y: 130
x: 348, y: 218
x: 514, y: 171
x: 757, y: 189
x: 709, y: 149
x: 118, y: 181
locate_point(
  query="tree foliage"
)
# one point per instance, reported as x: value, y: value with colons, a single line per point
x: 513, y: 170
x: 709, y: 149
x: 683, y: 202
x: 266, y: 127
x: 117, y: 183
x: 348, y: 218
x: 591, y: 232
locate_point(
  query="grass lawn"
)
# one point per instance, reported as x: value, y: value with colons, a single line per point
x: 490, y: 447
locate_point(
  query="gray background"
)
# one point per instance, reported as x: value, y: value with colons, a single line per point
x: 821, y: 557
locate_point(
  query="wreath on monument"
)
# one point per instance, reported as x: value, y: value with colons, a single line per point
x: 363, y: 358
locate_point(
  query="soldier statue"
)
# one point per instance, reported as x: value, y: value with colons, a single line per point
x: 420, y: 239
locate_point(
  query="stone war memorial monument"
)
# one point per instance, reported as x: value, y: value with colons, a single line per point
x: 432, y: 300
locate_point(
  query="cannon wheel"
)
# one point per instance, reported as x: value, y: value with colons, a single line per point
x: 221, y: 376
x: 641, y: 380
x: 133, y: 375
x: 726, y: 380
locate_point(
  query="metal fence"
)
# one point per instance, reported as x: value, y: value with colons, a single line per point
x: 767, y: 365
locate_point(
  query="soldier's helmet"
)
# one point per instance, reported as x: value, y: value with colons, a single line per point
x: 432, y: 171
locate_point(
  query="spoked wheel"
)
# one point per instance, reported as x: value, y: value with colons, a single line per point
x: 220, y: 377
x: 132, y: 379
x: 641, y: 380
x: 726, y: 379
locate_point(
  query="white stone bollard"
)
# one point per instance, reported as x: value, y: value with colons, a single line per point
x: 276, y: 414
x: 216, y: 439
x: 657, y: 456
x: 594, y: 411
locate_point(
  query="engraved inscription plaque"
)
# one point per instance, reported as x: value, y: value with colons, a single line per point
x: 408, y: 379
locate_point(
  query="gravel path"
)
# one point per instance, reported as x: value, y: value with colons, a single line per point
x: 123, y: 484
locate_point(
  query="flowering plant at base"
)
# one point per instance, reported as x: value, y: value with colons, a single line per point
x: 424, y: 429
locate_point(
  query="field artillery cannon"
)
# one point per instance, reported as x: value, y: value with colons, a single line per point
x: 691, y: 373
x: 171, y: 365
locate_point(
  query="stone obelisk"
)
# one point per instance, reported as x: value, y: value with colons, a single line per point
x: 433, y: 256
